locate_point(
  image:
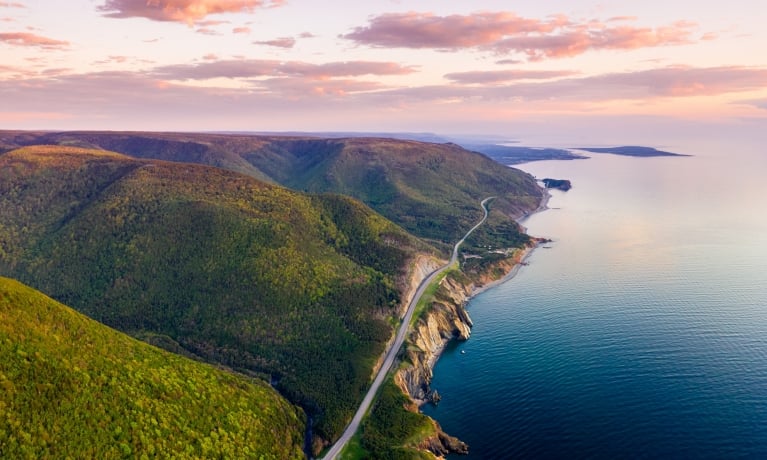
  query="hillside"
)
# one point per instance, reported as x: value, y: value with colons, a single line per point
x: 429, y: 189
x: 300, y: 289
x: 74, y: 388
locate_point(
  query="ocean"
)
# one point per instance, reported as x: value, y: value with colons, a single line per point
x: 640, y: 331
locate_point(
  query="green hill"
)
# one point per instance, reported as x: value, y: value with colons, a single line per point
x: 430, y: 189
x: 73, y: 388
x: 300, y: 289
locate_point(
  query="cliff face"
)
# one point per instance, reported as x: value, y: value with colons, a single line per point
x: 447, y: 319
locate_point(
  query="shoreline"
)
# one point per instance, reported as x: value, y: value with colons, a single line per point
x: 518, y: 264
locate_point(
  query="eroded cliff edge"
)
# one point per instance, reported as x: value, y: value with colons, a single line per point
x: 443, y: 320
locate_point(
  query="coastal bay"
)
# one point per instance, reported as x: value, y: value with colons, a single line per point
x: 638, y: 334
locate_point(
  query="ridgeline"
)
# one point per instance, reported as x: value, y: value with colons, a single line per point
x: 192, y: 242
x: 299, y: 289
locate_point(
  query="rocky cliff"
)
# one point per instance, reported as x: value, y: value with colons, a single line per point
x: 447, y: 319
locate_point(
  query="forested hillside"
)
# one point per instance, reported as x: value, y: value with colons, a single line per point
x: 430, y: 189
x: 300, y: 289
x: 73, y: 388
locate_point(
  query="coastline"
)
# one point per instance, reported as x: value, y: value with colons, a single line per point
x: 449, y: 320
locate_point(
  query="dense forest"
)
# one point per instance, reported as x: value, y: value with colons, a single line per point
x: 300, y: 289
x: 429, y: 189
x: 192, y: 242
x: 73, y: 388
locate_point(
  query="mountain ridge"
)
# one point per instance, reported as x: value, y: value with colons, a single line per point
x: 299, y: 288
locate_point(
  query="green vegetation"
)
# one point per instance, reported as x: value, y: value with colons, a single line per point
x: 73, y: 388
x: 391, y: 431
x: 431, y: 190
x: 298, y: 288
x: 427, y: 299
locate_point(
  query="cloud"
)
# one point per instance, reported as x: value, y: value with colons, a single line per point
x: 758, y: 103
x: 186, y: 11
x: 299, y: 94
x: 505, y: 33
x: 29, y: 39
x: 11, y: 5
x: 241, y: 30
x: 114, y: 59
x: 282, y: 42
x: 665, y: 82
x: 255, y: 68
x: 500, y: 76
x: 296, y: 88
x: 207, y: 31
x: 306, y: 35
x: 210, y: 23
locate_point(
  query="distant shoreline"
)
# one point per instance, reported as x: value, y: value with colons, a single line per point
x: 631, y: 151
x: 526, y: 253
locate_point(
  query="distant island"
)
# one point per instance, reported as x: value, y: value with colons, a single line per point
x: 631, y: 151
x: 560, y: 184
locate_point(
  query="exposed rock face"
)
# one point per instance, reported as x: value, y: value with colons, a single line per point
x: 442, y: 444
x: 446, y: 320
x: 421, y: 267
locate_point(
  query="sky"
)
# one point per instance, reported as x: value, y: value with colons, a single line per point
x: 443, y: 66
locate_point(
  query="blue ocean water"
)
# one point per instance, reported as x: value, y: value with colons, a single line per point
x: 640, y: 332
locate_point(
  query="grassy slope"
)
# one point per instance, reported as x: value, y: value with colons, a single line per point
x: 72, y: 387
x: 431, y: 190
x: 251, y: 275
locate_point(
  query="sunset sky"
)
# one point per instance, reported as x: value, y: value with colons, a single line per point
x: 442, y: 66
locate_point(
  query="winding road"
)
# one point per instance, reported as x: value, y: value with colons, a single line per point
x: 398, y: 341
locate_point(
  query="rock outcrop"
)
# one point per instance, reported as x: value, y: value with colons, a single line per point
x: 561, y: 184
x: 447, y: 319
x: 442, y: 444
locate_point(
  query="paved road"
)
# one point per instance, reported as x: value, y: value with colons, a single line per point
x: 394, y: 349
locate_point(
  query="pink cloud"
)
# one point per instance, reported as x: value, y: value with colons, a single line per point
x: 29, y: 39
x: 426, y: 30
x: 130, y: 99
x: 241, y: 30
x: 758, y: 103
x: 11, y: 5
x: 210, y: 23
x: 296, y: 88
x: 114, y: 59
x: 187, y: 11
x: 507, y: 33
x: 622, y: 18
x: 665, y: 82
x: 501, y: 76
x: 254, y: 68
x: 282, y: 42
x: 207, y: 31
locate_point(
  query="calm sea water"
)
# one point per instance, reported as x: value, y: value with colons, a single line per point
x: 641, y: 332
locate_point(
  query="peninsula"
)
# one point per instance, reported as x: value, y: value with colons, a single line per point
x: 631, y: 151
